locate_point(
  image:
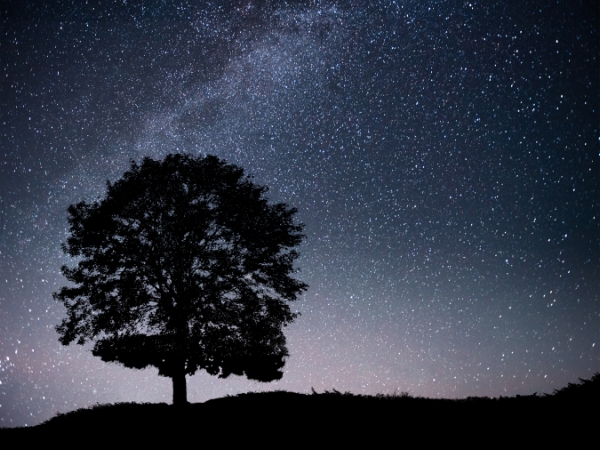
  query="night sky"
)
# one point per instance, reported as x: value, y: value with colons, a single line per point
x: 442, y: 154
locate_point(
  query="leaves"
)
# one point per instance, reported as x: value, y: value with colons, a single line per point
x: 183, y: 262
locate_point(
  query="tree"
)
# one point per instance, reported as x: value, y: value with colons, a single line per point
x: 183, y: 266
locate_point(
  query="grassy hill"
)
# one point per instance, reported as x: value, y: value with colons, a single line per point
x: 278, y: 419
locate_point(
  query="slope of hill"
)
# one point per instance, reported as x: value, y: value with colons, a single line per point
x: 280, y: 418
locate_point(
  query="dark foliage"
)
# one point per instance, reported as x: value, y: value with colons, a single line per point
x: 184, y: 265
x: 587, y: 390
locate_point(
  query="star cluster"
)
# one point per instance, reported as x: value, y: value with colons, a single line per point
x: 443, y: 156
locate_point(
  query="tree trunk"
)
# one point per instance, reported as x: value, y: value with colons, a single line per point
x: 179, y: 389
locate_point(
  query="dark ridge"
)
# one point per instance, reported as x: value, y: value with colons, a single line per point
x: 333, y: 417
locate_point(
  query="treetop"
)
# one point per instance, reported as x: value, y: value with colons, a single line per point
x: 184, y: 261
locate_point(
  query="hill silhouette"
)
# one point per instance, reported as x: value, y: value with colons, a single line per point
x: 278, y: 418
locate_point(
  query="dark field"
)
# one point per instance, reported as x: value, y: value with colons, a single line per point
x: 284, y: 419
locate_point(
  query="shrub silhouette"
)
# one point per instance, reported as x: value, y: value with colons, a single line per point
x: 585, y: 390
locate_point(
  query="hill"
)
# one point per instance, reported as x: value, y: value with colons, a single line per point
x: 280, y: 418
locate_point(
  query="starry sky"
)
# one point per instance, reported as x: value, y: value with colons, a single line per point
x: 442, y: 154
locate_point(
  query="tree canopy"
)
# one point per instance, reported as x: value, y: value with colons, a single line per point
x: 184, y: 265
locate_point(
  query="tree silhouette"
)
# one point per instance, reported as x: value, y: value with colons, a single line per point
x: 184, y: 265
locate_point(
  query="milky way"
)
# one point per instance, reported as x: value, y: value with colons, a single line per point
x: 443, y: 156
